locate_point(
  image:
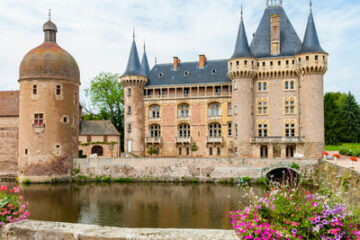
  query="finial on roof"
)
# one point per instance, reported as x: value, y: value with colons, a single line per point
x: 144, y: 46
x: 310, y: 6
x: 273, y: 3
x: 134, y: 34
x: 155, y: 60
x: 49, y: 14
x: 241, y: 13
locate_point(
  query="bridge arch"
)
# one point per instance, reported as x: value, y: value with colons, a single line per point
x: 283, y: 173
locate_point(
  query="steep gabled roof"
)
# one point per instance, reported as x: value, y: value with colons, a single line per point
x: 242, y: 46
x: 133, y: 65
x: 311, y: 40
x: 9, y: 103
x: 98, y: 128
x: 290, y: 43
x: 215, y: 71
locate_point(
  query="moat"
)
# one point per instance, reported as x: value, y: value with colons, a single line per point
x: 136, y: 205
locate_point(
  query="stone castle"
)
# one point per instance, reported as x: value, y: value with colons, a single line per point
x: 265, y: 101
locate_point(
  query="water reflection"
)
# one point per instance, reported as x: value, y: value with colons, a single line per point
x: 137, y: 204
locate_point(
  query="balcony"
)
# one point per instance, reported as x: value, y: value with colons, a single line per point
x: 186, y: 140
x: 214, y: 117
x: 153, y: 140
x: 214, y: 140
x: 38, y: 128
x: 277, y: 140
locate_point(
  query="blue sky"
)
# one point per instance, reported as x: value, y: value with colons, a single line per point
x: 98, y: 33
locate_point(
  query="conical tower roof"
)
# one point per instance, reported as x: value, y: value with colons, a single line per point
x: 145, y: 68
x: 242, y: 46
x: 311, y: 41
x: 133, y: 65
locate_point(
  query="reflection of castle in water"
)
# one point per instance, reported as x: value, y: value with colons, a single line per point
x: 136, y: 205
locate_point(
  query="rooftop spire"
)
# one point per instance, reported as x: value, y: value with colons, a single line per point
x: 133, y: 65
x: 273, y: 3
x: 242, y: 46
x: 311, y: 41
x: 133, y: 34
x: 50, y: 30
x: 145, y: 69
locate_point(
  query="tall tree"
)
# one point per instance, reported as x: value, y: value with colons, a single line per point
x: 107, y: 96
x: 351, y: 115
x: 333, y: 123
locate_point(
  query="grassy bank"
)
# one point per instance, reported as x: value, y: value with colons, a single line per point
x: 342, y: 145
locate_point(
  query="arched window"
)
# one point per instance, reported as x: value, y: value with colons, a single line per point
x: 97, y: 150
x: 214, y: 110
x: 215, y: 130
x: 184, y: 131
x: 184, y: 111
x: 154, y: 111
x: 154, y: 131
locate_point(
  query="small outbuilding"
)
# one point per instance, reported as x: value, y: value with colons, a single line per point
x: 99, y: 137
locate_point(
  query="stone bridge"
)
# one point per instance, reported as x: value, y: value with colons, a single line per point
x: 199, y: 169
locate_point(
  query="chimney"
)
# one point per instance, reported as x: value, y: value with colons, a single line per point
x: 202, y: 61
x: 176, y: 63
x: 275, y: 34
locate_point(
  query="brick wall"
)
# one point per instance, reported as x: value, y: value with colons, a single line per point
x: 9, y: 137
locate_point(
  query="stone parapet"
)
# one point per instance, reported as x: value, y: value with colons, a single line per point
x: 39, y: 230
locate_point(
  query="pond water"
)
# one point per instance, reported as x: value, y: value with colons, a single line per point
x: 137, y: 205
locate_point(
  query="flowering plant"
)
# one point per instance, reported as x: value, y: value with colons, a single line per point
x: 12, y: 206
x: 289, y: 214
x: 325, y: 154
x: 337, y: 155
x: 354, y: 159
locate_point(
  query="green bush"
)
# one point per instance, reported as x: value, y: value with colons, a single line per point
x: 246, y: 179
x: 261, y: 180
x: 76, y: 170
x: 231, y: 180
x: 26, y: 181
x: 295, y: 166
x: 194, y: 147
x: 194, y: 180
x: 107, y: 179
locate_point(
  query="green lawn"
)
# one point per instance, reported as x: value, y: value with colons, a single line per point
x: 342, y: 145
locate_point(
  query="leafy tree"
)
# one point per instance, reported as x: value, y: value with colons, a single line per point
x: 107, y: 96
x: 351, y: 114
x: 333, y: 123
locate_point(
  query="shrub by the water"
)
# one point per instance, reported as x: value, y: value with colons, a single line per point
x: 286, y: 213
x: 12, y: 206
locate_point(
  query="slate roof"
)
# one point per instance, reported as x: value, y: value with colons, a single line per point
x: 311, y: 41
x: 145, y: 68
x: 133, y: 65
x: 9, y: 103
x: 215, y: 71
x: 242, y: 46
x: 290, y: 43
x: 98, y: 128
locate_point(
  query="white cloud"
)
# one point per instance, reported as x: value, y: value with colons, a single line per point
x: 98, y: 32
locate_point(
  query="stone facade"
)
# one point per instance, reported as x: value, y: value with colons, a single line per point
x: 9, y: 137
x: 110, y: 145
x: 266, y: 101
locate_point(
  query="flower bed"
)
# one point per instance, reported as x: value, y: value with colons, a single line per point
x: 286, y: 213
x: 12, y: 206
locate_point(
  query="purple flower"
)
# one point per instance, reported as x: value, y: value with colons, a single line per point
x: 294, y: 231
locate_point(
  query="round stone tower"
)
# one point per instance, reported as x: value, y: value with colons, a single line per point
x: 134, y: 80
x: 49, y: 111
x: 242, y: 71
x: 312, y: 65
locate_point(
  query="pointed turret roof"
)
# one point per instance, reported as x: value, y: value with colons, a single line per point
x: 290, y: 43
x: 133, y: 65
x: 311, y: 41
x: 242, y: 46
x: 145, y: 68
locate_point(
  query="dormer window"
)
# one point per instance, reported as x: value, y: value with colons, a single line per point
x: 307, y: 58
x: 213, y: 72
x: 245, y: 62
x: 279, y: 63
x: 161, y: 75
x: 186, y: 73
x: 316, y: 57
x: 263, y: 64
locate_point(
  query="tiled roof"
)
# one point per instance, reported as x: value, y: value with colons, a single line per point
x: 215, y: 71
x: 242, y: 46
x: 9, y: 103
x: 98, y: 128
x: 290, y: 43
x: 145, y: 68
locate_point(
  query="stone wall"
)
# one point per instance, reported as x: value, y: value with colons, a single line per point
x: 174, y: 169
x: 9, y: 136
x: 38, y: 230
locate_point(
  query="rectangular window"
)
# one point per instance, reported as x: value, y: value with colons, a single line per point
x: 26, y: 151
x: 290, y: 130
x: 106, y: 139
x: 289, y: 85
x: 76, y: 98
x: 88, y: 139
x: 38, y: 119
x: 218, y: 90
x: 129, y: 92
x: 57, y: 150
x: 180, y: 151
x: 262, y: 130
x: 229, y: 129
x: 187, y: 151
x: 259, y: 86
x: 229, y: 110
x: 235, y: 85
x: 129, y: 109
x: 292, y: 85
x: 34, y: 89
x: 262, y: 86
x: 236, y: 110
x: 186, y: 92
x: 218, y: 151
x: 236, y: 130
x: 129, y: 128
x: 210, y: 151
x: 58, y: 90
x: 262, y: 107
x: 286, y: 85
